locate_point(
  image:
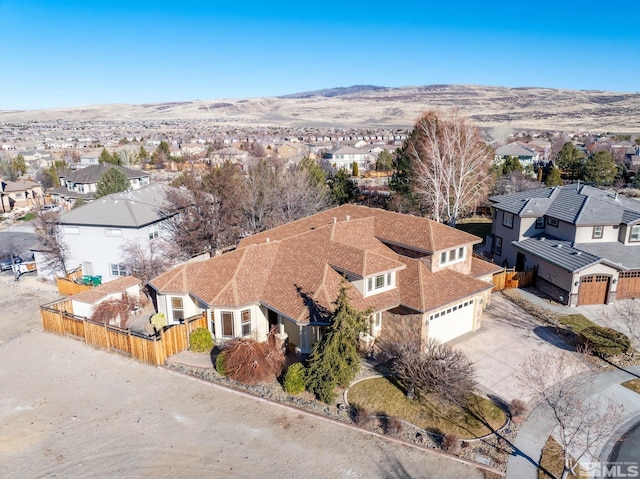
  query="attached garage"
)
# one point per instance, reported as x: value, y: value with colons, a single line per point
x: 628, y: 285
x: 451, y: 322
x: 593, y: 289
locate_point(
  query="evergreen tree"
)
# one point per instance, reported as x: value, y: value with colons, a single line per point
x: 384, y: 161
x: 553, y: 177
x: 571, y: 161
x: 316, y: 174
x: 600, y: 168
x: 112, y: 181
x: 343, y: 189
x: 355, y: 169
x: 106, y: 157
x: 510, y: 165
x: 335, y: 359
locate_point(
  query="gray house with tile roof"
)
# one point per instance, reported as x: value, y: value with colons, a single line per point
x: 584, y: 241
x: 96, y: 232
x: 82, y: 183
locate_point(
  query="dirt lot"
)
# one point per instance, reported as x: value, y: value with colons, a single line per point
x: 68, y: 410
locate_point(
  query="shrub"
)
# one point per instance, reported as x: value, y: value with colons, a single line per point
x: 394, y: 426
x: 159, y: 321
x: 294, y: 379
x: 605, y: 341
x: 251, y: 362
x: 517, y: 408
x: 200, y: 340
x: 451, y: 443
x: 221, y: 365
x: 363, y: 416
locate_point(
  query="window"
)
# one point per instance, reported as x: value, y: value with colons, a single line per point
x: 451, y: 256
x: 112, y: 232
x: 71, y: 230
x: 497, y: 248
x: 388, y: 279
x: 597, y: 232
x: 246, y: 322
x: 154, y: 231
x: 177, y: 309
x: 540, y: 223
x: 443, y: 257
x: 507, y: 219
x: 227, y: 324
x: 460, y: 253
x: 118, y: 270
x: 635, y: 233
x: 552, y: 221
x: 380, y: 281
x: 370, y: 284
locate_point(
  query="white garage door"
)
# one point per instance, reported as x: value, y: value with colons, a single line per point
x: 451, y: 322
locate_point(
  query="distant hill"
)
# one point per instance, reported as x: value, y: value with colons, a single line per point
x: 338, y: 91
x: 374, y: 106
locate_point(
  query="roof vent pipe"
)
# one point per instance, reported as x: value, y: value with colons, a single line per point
x: 268, y: 240
x: 335, y: 219
x: 347, y: 217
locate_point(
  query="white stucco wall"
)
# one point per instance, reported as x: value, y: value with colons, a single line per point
x: 584, y: 234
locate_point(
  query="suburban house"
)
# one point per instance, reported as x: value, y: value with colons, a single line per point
x: 81, y: 183
x: 20, y: 194
x: 418, y: 278
x: 344, y: 157
x: 583, y: 241
x: 527, y: 156
x: 95, y: 232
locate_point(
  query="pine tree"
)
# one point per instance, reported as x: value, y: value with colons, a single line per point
x: 335, y: 359
x: 112, y: 181
x: 553, y: 177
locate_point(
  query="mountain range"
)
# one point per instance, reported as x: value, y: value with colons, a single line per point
x: 369, y: 106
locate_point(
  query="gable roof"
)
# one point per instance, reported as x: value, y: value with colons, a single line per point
x: 559, y: 252
x: 93, y: 173
x: 297, y: 270
x: 128, y: 209
x: 515, y: 149
x: 94, y: 295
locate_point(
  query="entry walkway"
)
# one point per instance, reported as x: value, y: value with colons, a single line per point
x: 533, y: 434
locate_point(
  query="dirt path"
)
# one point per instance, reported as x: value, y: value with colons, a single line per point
x: 68, y: 410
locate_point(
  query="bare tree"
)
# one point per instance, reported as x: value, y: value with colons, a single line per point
x: 626, y: 313
x: 300, y: 196
x: 582, y: 421
x: 55, y: 251
x: 145, y: 261
x: 434, y: 368
x: 450, y: 164
x: 261, y: 197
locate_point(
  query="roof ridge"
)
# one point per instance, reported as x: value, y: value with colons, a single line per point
x: 421, y: 284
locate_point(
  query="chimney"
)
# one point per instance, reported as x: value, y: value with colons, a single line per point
x: 347, y: 217
x: 268, y: 240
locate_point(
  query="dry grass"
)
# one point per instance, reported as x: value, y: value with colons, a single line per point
x: 552, y: 461
x: 633, y: 384
x: 384, y: 396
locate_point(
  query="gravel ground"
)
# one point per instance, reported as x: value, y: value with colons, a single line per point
x: 68, y: 410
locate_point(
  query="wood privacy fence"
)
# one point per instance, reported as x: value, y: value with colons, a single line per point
x: 510, y: 278
x: 147, y: 349
x: 68, y: 284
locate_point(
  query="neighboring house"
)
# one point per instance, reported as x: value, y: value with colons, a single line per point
x: 418, y: 277
x: 584, y: 242
x: 95, y: 232
x: 37, y: 159
x: 82, y: 183
x: 19, y: 194
x: 527, y: 156
x: 85, y: 303
x: 345, y: 156
x: 230, y: 154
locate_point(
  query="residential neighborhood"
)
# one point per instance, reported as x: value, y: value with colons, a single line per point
x: 266, y: 239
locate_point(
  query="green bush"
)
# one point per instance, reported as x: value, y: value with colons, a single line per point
x: 200, y: 340
x: 294, y: 379
x: 605, y: 341
x: 221, y: 364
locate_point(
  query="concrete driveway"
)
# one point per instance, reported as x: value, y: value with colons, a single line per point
x: 508, y: 336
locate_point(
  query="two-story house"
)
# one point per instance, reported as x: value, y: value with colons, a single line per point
x: 584, y: 241
x: 19, y: 194
x: 527, y: 156
x: 82, y: 183
x: 96, y: 232
x: 344, y: 157
x: 418, y: 278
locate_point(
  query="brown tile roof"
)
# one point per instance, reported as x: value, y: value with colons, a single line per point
x: 480, y: 267
x: 413, y: 231
x: 298, y: 269
x: 94, y: 295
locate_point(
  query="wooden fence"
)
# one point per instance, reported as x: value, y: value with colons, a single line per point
x: 68, y: 285
x: 510, y: 278
x: 147, y: 349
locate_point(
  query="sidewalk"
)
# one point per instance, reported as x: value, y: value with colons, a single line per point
x: 533, y: 434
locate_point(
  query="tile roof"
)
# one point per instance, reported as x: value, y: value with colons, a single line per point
x: 94, y: 295
x: 93, y: 173
x: 129, y: 209
x: 297, y: 270
x: 482, y: 268
x: 558, y: 252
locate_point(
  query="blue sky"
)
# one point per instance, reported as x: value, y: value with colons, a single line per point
x: 75, y: 53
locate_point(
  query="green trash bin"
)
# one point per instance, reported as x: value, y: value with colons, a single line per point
x: 97, y: 280
x: 87, y: 280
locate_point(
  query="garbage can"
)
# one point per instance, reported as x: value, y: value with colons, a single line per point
x: 97, y: 280
x: 87, y: 280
